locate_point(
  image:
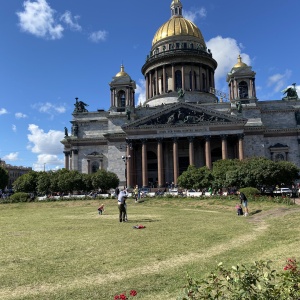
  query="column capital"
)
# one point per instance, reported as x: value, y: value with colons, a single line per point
x: 75, y: 151
x: 241, y: 136
x: 67, y: 153
x: 224, y: 136
x: 159, y: 140
x: 144, y: 141
x: 191, y: 138
x: 207, y: 138
x: 175, y: 139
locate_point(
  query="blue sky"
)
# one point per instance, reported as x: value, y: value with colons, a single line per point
x: 53, y: 51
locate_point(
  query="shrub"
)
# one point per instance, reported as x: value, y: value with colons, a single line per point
x: 20, y: 197
x: 258, y: 282
x: 250, y: 192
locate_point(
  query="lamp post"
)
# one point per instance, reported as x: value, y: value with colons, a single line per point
x: 125, y: 160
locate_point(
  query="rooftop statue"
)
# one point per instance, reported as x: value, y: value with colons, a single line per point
x: 180, y: 93
x: 291, y: 92
x: 128, y: 112
x: 239, y: 106
x: 80, y: 106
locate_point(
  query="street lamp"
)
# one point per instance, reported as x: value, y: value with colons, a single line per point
x: 125, y: 159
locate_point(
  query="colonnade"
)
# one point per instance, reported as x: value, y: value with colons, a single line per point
x: 129, y: 164
x: 157, y: 80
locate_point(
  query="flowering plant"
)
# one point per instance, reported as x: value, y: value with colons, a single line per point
x: 123, y: 296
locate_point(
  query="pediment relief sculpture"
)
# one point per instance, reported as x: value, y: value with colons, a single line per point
x: 182, y: 116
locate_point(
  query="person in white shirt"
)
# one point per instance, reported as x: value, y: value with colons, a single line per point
x: 122, y: 205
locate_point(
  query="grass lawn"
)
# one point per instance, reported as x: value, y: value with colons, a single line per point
x: 65, y: 250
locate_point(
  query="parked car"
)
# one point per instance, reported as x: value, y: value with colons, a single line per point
x: 193, y: 193
x: 283, y: 191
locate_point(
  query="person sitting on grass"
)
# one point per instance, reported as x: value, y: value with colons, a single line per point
x: 101, y: 209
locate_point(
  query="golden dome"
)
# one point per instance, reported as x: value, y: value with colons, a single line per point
x: 178, y: 26
x: 122, y: 73
x: 240, y: 64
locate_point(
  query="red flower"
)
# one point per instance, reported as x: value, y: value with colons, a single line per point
x: 117, y: 297
x: 133, y: 293
x: 123, y: 297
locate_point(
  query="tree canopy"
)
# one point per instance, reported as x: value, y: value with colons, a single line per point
x: 3, y: 178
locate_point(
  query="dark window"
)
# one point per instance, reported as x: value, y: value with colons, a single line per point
x: 243, y: 90
x: 178, y: 80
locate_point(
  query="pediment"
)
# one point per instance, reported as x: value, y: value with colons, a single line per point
x: 184, y: 114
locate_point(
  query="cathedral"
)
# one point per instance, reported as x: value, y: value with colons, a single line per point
x: 184, y: 120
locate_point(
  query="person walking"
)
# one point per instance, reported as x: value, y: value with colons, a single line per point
x: 122, y: 205
x: 244, y: 202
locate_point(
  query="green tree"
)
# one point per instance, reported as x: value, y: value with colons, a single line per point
x: 44, y: 183
x: 26, y: 183
x: 104, y: 180
x: 224, y: 172
x: 87, y: 182
x: 3, y: 178
x: 195, y: 178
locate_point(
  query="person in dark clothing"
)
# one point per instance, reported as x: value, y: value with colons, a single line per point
x: 244, y: 202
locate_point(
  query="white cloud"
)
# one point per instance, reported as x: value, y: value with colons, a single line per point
x: 14, y: 128
x: 49, y: 108
x: 3, y: 111
x: 98, y: 36
x: 38, y: 19
x: 192, y: 15
x: 225, y: 51
x: 11, y: 156
x: 140, y: 90
x: 279, y: 81
x: 20, y: 115
x: 44, y: 142
x: 68, y: 19
x: 47, y: 162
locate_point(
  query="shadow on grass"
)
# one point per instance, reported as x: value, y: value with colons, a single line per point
x: 255, y: 212
x: 143, y: 220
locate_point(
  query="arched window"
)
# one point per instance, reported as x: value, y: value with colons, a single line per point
x: 122, y: 98
x: 178, y: 80
x: 195, y: 81
x: 243, y: 90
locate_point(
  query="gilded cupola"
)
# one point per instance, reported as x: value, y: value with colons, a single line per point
x: 178, y: 26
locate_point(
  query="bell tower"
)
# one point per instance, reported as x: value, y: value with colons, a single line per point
x: 241, y: 82
x: 122, y: 92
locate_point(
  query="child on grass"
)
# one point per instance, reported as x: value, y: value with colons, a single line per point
x: 239, y: 210
x: 101, y: 209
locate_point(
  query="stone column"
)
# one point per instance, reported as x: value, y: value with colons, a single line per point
x: 200, y: 78
x: 191, y: 150
x: 101, y: 164
x: 129, y: 164
x: 173, y: 77
x: 241, y: 146
x: 156, y: 82
x: 224, y: 146
x: 160, y: 163
x: 74, y: 159
x: 67, y: 160
x: 144, y: 163
x: 183, y: 77
x: 147, y: 86
x: 150, y: 87
x: 88, y: 166
x: 175, y: 160
x: 207, y: 151
x: 164, y: 79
